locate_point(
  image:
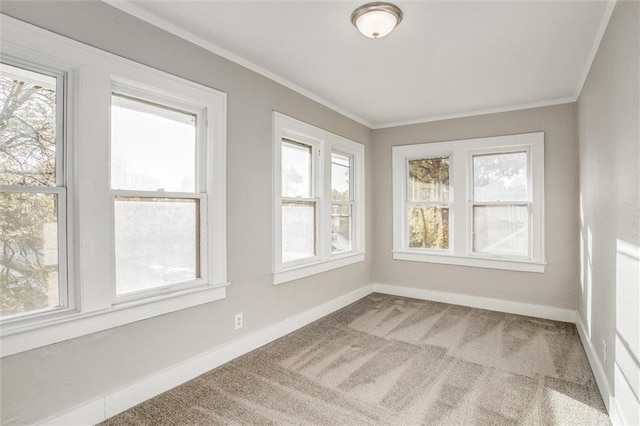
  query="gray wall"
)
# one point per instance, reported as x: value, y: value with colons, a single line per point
x: 608, y: 117
x: 49, y: 380
x: 45, y: 381
x: 557, y: 286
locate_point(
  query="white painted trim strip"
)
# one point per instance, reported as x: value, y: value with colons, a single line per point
x: 616, y: 412
x: 596, y: 366
x: 475, y: 262
x: 604, y: 22
x: 115, y: 402
x: 476, y: 112
x: 610, y: 401
x: 518, y: 308
x: 302, y: 271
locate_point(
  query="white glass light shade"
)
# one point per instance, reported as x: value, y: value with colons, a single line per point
x: 376, y: 24
x: 376, y: 20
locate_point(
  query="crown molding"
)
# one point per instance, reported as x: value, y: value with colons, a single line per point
x: 604, y: 22
x: 133, y: 10
x: 476, y: 112
x: 150, y: 18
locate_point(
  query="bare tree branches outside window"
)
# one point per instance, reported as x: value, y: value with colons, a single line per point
x: 28, y: 219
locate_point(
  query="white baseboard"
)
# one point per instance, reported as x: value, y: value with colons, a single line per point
x: 117, y: 401
x: 611, y: 401
x: 615, y: 412
x: 120, y: 400
x: 538, y: 311
x: 594, y: 361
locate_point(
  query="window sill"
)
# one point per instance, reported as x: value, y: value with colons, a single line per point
x: 47, y: 330
x: 476, y: 262
x: 302, y: 271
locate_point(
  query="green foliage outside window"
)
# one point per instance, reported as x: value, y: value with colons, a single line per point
x: 428, y: 191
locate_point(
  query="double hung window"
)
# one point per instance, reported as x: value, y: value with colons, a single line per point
x: 501, y: 204
x: 319, y: 191
x: 299, y: 202
x: 428, y: 203
x: 33, y: 274
x: 158, y: 185
x: 112, y: 190
x: 476, y: 202
x: 342, y: 203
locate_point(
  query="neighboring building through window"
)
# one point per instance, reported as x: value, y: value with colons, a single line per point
x: 477, y: 202
x: 341, y: 202
x: 299, y: 202
x: 319, y: 184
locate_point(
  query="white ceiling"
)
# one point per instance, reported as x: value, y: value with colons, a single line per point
x: 446, y: 59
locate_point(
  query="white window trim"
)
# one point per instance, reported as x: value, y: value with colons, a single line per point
x: 60, y: 188
x: 90, y: 73
x: 323, y: 143
x: 204, y: 112
x: 460, y: 239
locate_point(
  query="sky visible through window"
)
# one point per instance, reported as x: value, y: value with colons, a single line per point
x: 152, y: 148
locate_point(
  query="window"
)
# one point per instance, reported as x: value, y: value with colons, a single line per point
x: 475, y: 202
x: 341, y: 202
x: 159, y: 191
x: 500, y: 206
x: 112, y: 190
x: 319, y: 187
x: 33, y: 204
x: 299, y: 203
x: 428, y: 203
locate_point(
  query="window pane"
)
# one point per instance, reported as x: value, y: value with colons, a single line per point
x: 429, y: 227
x: 28, y: 130
x: 429, y: 180
x: 298, y: 231
x: 340, y: 227
x: 501, y: 230
x: 340, y: 171
x: 500, y: 177
x: 29, y: 256
x: 152, y: 147
x: 156, y: 242
x: 296, y: 170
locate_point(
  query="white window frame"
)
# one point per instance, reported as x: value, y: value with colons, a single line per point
x: 409, y: 204
x: 461, y: 154
x: 351, y: 202
x: 63, y: 150
x: 90, y: 73
x: 323, y: 144
x: 203, y: 180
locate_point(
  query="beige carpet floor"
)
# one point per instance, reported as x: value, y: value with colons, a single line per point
x: 394, y: 360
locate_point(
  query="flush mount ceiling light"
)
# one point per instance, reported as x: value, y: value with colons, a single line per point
x: 377, y: 19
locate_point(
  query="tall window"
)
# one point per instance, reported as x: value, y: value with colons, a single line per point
x: 476, y: 202
x: 341, y: 202
x: 32, y: 191
x: 299, y: 203
x: 112, y: 190
x: 158, y: 186
x: 501, y: 204
x: 319, y: 189
x: 428, y: 203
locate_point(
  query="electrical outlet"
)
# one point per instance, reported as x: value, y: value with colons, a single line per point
x: 238, y: 321
x: 604, y: 351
